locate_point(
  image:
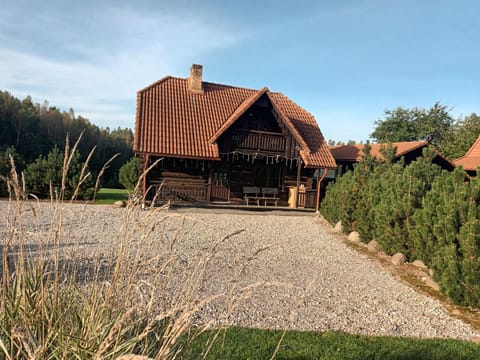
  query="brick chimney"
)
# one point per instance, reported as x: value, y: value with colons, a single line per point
x: 195, y: 79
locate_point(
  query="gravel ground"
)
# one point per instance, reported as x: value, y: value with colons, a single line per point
x: 283, y: 270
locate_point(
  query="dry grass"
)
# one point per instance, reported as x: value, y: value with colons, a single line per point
x: 57, y: 305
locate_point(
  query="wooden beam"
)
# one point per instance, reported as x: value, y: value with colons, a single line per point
x: 210, y: 176
x: 145, y: 167
x: 299, y: 174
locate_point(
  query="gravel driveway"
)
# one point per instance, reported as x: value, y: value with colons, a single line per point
x: 304, y: 277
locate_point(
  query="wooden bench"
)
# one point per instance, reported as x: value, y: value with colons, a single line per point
x: 251, y: 193
x: 269, y: 194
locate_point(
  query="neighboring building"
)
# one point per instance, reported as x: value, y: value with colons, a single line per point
x: 470, y: 162
x: 218, y: 142
x: 347, y: 156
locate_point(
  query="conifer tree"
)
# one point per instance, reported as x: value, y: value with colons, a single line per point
x: 469, y: 248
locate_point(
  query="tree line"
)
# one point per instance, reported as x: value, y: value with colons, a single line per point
x: 419, y: 210
x: 451, y: 136
x: 35, y: 135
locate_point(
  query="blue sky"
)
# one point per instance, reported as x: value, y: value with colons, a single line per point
x: 344, y: 61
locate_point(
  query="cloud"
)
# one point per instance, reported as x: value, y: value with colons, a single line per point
x: 96, y: 61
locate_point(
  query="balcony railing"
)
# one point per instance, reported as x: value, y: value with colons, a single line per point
x: 263, y: 141
x: 180, y: 193
x: 307, y: 199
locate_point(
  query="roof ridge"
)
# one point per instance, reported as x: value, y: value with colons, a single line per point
x: 231, y: 86
x: 165, y: 78
x: 168, y: 77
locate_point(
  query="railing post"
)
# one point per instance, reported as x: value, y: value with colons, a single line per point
x: 209, y: 185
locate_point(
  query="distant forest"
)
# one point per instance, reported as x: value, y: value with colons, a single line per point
x: 30, y: 130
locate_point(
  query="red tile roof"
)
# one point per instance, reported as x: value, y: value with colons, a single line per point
x: 172, y: 121
x: 471, y: 160
x: 354, y: 152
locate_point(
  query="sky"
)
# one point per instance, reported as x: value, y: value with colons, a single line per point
x: 345, y: 61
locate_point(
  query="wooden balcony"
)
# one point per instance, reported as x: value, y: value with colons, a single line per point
x: 259, y: 140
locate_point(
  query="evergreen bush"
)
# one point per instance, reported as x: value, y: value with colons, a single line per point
x: 419, y: 210
x: 45, y: 175
x: 129, y: 173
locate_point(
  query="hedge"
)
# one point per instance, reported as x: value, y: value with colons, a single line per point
x: 420, y: 210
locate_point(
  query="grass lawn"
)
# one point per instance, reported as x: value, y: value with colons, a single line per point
x: 109, y: 196
x: 240, y: 343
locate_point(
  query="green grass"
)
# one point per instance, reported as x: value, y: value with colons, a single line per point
x: 109, y: 196
x: 241, y: 343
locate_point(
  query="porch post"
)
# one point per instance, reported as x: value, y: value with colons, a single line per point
x: 209, y: 186
x: 299, y: 173
x: 145, y: 167
x: 319, y: 184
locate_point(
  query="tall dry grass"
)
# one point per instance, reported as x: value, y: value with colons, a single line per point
x: 60, y: 300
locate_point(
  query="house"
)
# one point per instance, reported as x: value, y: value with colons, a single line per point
x: 221, y: 143
x: 471, y: 160
x: 347, y: 156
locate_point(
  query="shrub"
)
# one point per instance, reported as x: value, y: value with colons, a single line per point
x: 447, y: 236
x: 402, y: 190
x: 46, y: 174
x: 419, y: 210
x: 346, y: 199
x: 128, y: 174
x: 6, y: 167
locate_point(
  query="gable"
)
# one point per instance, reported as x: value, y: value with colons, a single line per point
x: 471, y: 160
x: 259, y: 117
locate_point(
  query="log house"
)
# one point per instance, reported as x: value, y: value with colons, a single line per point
x: 212, y: 141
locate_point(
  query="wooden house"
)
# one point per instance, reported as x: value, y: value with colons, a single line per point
x: 347, y: 156
x: 470, y: 162
x: 220, y: 143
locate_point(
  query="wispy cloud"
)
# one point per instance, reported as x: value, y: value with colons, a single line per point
x: 96, y: 62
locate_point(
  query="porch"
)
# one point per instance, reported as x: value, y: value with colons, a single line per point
x: 279, y: 183
x: 221, y: 195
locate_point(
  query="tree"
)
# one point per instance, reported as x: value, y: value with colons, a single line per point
x: 43, y: 177
x: 433, y: 125
x: 6, y: 167
x: 34, y: 130
x: 465, y: 131
x: 332, y: 142
x: 346, y: 199
x: 129, y: 173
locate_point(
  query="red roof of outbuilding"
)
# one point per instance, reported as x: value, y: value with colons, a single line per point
x: 471, y: 160
x: 355, y: 152
x: 172, y: 121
